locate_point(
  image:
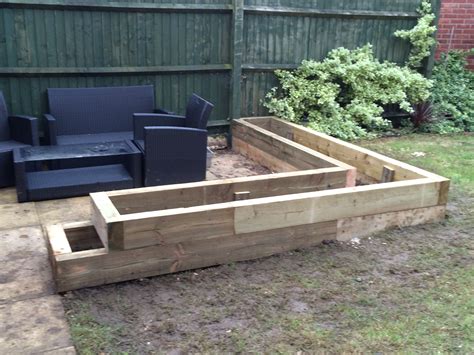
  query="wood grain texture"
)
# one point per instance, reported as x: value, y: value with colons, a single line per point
x: 357, y: 227
x: 58, y: 241
x: 388, y: 174
x: 103, y: 211
x: 366, y: 161
x: 281, y: 147
x: 292, y: 210
x: 267, y: 160
x: 207, y: 221
x: 219, y: 191
x: 99, y: 267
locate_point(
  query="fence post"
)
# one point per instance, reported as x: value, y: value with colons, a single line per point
x: 237, y: 46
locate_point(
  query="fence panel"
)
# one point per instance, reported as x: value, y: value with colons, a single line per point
x: 225, y: 50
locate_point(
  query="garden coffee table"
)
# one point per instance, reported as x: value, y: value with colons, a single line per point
x: 49, y: 172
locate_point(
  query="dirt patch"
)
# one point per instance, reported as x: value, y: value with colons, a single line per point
x: 227, y: 164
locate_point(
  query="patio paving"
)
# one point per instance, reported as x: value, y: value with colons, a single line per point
x: 32, y: 318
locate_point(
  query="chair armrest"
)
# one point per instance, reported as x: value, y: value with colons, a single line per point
x: 141, y: 120
x: 24, y: 129
x: 164, y: 112
x: 183, y: 137
x: 50, y: 130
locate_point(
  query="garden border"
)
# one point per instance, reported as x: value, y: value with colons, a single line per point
x: 159, y: 230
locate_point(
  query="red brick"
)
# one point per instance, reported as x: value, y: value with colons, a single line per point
x: 456, y: 26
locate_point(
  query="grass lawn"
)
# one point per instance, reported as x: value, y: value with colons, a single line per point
x: 408, y: 290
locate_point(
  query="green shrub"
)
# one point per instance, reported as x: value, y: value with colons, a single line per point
x: 421, y: 36
x: 344, y: 94
x: 452, y: 94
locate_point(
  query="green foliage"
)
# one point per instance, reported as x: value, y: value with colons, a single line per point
x: 89, y: 336
x: 453, y: 94
x: 344, y: 94
x: 421, y: 36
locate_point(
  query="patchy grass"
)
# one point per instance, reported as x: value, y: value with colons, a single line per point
x: 450, y: 156
x: 406, y: 290
x: 89, y: 335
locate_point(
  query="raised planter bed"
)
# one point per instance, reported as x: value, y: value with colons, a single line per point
x: 158, y: 230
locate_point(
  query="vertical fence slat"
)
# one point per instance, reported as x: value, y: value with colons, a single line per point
x: 237, y: 38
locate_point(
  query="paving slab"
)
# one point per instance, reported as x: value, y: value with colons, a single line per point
x: 7, y: 195
x: 16, y: 215
x: 75, y: 209
x: 33, y: 326
x: 25, y: 242
x: 25, y: 278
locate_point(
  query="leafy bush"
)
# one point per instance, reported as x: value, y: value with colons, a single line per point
x: 344, y: 94
x: 453, y: 94
x: 421, y: 36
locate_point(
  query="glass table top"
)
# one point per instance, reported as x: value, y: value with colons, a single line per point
x: 75, y: 151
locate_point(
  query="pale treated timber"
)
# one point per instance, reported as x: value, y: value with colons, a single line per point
x: 277, y: 152
x: 98, y: 267
x: 241, y: 195
x: 265, y: 159
x: 218, y: 191
x: 388, y: 174
x: 102, y: 210
x: 182, y: 236
x: 358, y: 227
x: 210, y: 221
x: 366, y: 161
x: 58, y: 240
x: 282, y: 148
x: 292, y: 210
x: 200, y: 220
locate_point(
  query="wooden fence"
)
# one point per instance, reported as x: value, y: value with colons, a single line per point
x: 225, y: 50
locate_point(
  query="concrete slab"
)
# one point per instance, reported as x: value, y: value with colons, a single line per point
x: 66, y: 210
x: 16, y: 215
x: 22, y: 243
x: 33, y: 326
x: 7, y: 195
x: 22, y: 279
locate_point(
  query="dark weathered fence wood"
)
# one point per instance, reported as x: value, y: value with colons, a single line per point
x: 237, y: 37
x: 225, y: 50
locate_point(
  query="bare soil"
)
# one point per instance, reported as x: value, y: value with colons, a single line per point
x: 228, y: 164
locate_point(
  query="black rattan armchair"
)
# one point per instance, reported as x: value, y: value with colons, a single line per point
x: 197, y: 115
x: 174, y: 155
x: 15, y: 132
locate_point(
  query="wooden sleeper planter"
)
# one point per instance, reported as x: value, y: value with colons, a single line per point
x: 158, y: 230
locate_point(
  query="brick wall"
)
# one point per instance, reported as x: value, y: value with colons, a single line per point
x: 456, y: 26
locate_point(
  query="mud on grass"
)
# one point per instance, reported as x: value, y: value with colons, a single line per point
x: 407, y: 290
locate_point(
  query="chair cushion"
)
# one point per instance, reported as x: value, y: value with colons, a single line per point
x: 6, y: 146
x: 94, y: 138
